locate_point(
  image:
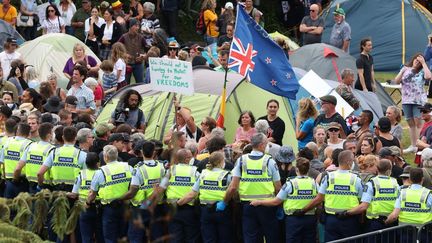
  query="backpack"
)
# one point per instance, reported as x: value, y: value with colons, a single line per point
x: 200, y: 26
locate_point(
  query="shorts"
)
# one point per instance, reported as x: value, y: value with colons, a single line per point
x: 411, y: 111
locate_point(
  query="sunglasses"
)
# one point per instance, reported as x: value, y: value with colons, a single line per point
x: 333, y: 130
x: 51, y: 10
x: 425, y: 111
x: 173, y: 49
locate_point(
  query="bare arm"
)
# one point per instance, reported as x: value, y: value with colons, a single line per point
x: 345, y: 46
x: 393, y: 216
x: 233, y: 187
x: 315, y: 202
x: 398, y: 77
x: 277, y: 186
x: 373, y: 79
x: 133, y: 189
x: 91, y: 197
x: 268, y: 203
x: 17, y: 171
x: 41, y: 173
x: 361, y: 208
x: 317, y: 31
x: 23, y: 9
x: 187, y: 198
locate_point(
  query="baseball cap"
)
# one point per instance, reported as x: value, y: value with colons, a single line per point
x: 426, y: 106
x: 329, y: 98
x: 426, y: 154
x: 334, y: 125
x: 385, y: 151
x: 339, y: 11
x: 229, y: 5
x: 173, y: 44
x: 103, y: 128
x: 104, y: 4
x: 11, y: 40
x: 118, y: 137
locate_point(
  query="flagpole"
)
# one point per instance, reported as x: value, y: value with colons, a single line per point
x: 221, y: 118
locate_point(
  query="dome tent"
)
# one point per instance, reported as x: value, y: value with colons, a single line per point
x: 398, y: 28
x: 208, y: 84
x: 49, y: 54
x: 7, y: 31
x: 329, y: 62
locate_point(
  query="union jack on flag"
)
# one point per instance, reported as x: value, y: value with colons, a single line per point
x: 241, y: 58
x: 255, y: 56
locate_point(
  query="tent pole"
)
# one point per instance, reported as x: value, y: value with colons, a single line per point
x: 403, y: 30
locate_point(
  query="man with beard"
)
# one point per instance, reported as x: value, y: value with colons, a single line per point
x: 128, y: 111
x: 85, y: 97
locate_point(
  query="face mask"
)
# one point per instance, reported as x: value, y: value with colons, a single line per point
x: 10, y: 105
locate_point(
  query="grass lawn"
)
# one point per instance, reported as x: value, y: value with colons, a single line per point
x: 382, y: 77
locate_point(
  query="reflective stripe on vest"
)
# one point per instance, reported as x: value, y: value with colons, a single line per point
x: 12, y: 151
x: 36, y: 155
x: 181, y: 181
x: 385, y: 194
x: 86, y: 179
x: 117, y: 180
x: 414, y: 209
x: 211, y: 189
x: 255, y: 182
x: 304, y: 191
x: 151, y: 175
x: 65, y: 166
x: 341, y: 193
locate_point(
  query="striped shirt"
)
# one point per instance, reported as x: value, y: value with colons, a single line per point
x: 84, y: 95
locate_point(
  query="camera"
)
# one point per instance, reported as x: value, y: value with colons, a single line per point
x: 121, y: 114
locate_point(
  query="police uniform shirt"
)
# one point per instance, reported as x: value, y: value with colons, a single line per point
x: 368, y: 191
x: 287, y: 189
x: 415, y: 187
x: 165, y: 181
x: 324, y: 184
x: 81, y: 158
x: 2, y: 150
x: 196, y: 186
x: 99, y: 178
x: 272, y: 168
x: 24, y: 156
x: 137, y: 179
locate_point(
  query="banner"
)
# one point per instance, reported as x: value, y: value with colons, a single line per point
x: 171, y: 75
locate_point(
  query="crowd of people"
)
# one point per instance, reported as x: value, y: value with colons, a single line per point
x: 348, y: 177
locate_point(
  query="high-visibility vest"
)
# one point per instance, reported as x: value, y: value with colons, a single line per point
x: 414, y: 210
x: 12, y: 151
x: 36, y: 155
x: 341, y: 193
x: 86, y: 176
x: 151, y: 175
x: 211, y: 187
x: 65, y: 167
x: 181, y: 181
x: 117, y: 180
x: 255, y: 182
x: 303, y: 191
x: 386, y: 191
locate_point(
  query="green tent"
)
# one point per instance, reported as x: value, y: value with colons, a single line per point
x: 208, y: 84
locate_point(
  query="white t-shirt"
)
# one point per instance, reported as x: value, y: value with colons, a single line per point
x: 120, y: 65
x: 108, y: 31
x: 68, y: 14
x: 6, y: 59
x: 100, y: 22
x: 52, y: 26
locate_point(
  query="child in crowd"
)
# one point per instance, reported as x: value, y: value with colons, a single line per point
x: 118, y: 57
x: 109, y: 78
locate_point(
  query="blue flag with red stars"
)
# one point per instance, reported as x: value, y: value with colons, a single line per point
x: 255, y: 56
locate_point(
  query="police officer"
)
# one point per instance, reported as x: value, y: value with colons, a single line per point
x: 64, y: 163
x: 216, y: 226
x: 10, y: 129
x: 295, y: 194
x: 146, y: 175
x: 111, y: 182
x: 341, y: 190
x: 34, y: 156
x: 178, y: 181
x: 413, y: 206
x: 10, y: 155
x: 256, y: 177
x: 379, y: 196
x: 90, y: 220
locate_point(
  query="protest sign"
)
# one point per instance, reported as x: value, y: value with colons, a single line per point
x: 171, y: 75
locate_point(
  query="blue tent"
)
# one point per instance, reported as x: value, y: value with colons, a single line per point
x: 398, y: 28
x: 6, y: 31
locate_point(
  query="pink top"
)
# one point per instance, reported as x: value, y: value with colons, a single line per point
x: 242, y: 135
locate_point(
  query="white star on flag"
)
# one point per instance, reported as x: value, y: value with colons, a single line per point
x: 273, y: 82
x: 268, y: 60
x: 288, y: 76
